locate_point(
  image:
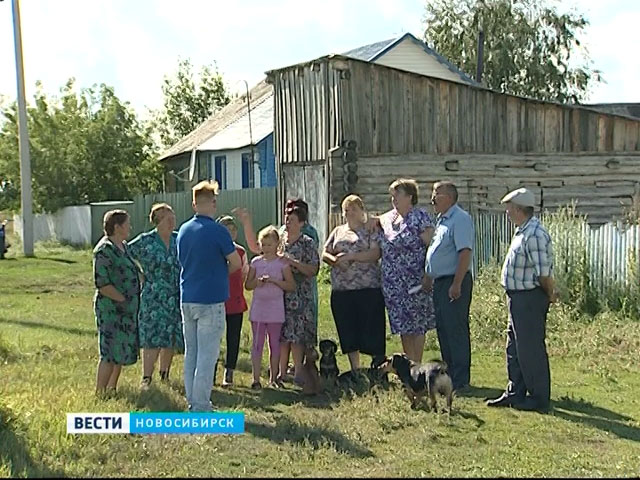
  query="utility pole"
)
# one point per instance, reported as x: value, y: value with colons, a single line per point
x: 252, y: 166
x: 25, y: 161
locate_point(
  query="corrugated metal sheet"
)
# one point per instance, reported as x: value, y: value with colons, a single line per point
x: 261, y: 202
x: 236, y: 135
x: 612, y: 251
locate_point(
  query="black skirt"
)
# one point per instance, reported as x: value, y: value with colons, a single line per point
x: 360, y: 320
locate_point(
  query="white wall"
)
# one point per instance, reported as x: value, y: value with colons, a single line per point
x: 411, y: 57
x: 234, y: 167
x: 69, y: 225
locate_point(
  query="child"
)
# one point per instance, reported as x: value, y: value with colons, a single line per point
x: 235, y: 306
x: 270, y: 276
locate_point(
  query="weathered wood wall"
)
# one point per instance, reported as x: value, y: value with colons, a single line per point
x: 602, y: 184
x: 307, y: 112
x: 391, y: 111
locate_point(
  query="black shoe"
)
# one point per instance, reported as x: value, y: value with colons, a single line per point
x: 503, y: 400
x: 462, y: 389
x: 530, y: 404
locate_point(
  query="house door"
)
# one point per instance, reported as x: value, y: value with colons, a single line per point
x: 308, y: 182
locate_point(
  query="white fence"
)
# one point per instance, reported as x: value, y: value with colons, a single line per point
x: 612, y: 250
x: 71, y: 225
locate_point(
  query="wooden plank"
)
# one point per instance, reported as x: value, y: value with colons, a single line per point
x: 407, y: 117
x: 592, y: 133
x: 432, y: 117
x: 442, y: 137
x: 574, y: 129
x: 453, y: 141
x: 566, y: 130
x: 540, y: 128
x: 346, y: 107
x: 551, y: 127
x: 512, y: 124
x: 501, y: 123
x: 418, y: 127
x: 619, y: 134
x: 310, y: 129
x: 632, y: 137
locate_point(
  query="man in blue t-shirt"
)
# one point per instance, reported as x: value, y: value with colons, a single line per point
x: 448, y: 272
x: 207, y: 256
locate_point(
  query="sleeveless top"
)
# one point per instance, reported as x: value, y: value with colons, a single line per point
x: 268, y: 300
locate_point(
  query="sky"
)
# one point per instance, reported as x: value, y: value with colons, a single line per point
x: 131, y: 44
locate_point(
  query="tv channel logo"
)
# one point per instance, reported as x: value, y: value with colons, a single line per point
x: 214, y: 423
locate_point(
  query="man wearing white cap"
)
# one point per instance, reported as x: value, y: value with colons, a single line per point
x: 527, y: 277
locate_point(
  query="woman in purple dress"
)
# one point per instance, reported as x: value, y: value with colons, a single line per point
x: 405, y: 233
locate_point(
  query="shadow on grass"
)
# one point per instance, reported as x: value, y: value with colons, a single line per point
x: 481, y: 392
x: 265, y: 399
x: 286, y: 430
x: 153, y: 400
x: 49, y: 326
x: 15, y: 451
x: 53, y: 259
x: 585, y: 413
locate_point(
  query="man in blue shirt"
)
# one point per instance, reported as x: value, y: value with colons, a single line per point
x: 448, y: 270
x: 207, y: 256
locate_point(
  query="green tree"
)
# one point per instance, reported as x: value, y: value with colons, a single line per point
x: 530, y: 49
x: 85, y: 146
x: 188, y: 101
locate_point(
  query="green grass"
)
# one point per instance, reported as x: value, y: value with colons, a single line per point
x: 48, y: 356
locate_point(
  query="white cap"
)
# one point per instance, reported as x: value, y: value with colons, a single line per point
x: 521, y: 196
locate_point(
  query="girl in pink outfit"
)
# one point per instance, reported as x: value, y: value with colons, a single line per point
x: 269, y: 277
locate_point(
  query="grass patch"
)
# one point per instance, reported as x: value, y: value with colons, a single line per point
x: 47, y: 329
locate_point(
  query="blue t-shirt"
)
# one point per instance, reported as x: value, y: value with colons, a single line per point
x: 203, y: 246
x: 454, y: 232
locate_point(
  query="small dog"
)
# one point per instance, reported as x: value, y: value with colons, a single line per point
x: 421, y: 380
x: 312, y: 384
x: 374, y: 375
x: 328, y: 365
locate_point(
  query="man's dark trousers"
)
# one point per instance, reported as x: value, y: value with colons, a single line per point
x: 452, y: 322
x: 527, y: 360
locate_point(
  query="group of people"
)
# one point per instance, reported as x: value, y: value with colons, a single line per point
x: 402, y: 262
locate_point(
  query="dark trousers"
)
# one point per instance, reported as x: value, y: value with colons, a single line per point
x: 452, y: 324
x: 527, y: 360
x: 234, y: 327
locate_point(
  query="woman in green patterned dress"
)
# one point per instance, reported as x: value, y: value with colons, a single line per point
x: 116, y: 301
x: 159, y: 321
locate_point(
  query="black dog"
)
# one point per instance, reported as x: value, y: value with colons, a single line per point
x: 373, y: 375
x: 328, y: 365
x: 421, y: 380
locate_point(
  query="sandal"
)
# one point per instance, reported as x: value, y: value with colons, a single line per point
x: 256, y: 386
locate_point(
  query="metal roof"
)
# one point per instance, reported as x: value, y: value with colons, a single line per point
x: 236, y: 135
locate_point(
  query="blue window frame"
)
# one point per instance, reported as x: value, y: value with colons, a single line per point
x: 220, y: 169
x: 248, y: 177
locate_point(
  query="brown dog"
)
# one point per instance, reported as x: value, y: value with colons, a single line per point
x: 421, y: 381
x: 311, y: 377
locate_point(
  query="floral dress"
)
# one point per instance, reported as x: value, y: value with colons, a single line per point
x: 159, y: 321
x: 299, y: 324
x: 117, y: 322
x: 403, y: 261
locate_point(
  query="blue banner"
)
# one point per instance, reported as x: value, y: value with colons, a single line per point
x: 192, y: 423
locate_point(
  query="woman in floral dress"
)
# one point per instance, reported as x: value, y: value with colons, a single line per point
x: 406, y: 231
x: 117, y: 282
x: 160, y: 322
x: 300, y: 330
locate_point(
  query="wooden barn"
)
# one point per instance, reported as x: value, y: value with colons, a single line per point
x: 343, y: 125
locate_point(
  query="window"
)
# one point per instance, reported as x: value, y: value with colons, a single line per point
x: 220, y: 170
x: 248, y: 171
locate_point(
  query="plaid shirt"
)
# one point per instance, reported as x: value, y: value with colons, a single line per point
x: 530, y: 256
